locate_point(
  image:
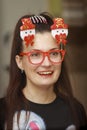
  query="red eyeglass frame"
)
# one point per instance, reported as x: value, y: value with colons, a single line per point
x: 44, y: 54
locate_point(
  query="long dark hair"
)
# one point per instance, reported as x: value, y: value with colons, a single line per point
x: 17, y: 80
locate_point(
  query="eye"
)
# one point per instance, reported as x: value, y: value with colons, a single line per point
x: 62, y: 30
x: 30, y: 31
x: 57, y: 31
x: 35, y: 54
x: 54, y: 53
x: 25, y: 32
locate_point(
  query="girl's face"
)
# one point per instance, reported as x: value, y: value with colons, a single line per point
x: 46, y: 73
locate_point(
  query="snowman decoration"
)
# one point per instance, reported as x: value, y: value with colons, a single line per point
x: 59, y: 31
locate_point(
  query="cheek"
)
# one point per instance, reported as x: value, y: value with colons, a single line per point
x: 26, y: 64
x: 28, y: 67
x: 58, y: 69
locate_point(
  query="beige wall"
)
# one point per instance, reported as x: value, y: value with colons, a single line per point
x: 75, y: 14
x: 77, y: 62
x: 10, y: 11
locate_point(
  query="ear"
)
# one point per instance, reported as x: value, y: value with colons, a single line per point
x: 19, y: 61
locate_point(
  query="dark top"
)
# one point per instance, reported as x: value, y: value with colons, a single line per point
x: 53, y: 116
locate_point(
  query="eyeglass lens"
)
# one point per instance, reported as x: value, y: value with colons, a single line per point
x: 37, y: 57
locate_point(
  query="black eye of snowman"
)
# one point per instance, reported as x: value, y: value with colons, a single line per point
x: 30, y: 31
x: 62, y: 30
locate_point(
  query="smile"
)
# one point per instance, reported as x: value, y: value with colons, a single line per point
x: 45, y: 72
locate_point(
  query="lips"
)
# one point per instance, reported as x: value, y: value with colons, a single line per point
x: 45, y: 73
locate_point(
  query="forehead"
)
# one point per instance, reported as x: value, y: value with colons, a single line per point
x: 43, y: 41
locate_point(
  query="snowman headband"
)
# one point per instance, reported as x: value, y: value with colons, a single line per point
x: 59, y: 29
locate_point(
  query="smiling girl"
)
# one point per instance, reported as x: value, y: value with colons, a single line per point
x: 39, y: 95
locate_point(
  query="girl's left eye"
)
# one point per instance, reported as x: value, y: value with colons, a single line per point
x: 54, y: 53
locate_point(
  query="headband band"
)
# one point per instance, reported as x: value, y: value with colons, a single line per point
x: 38, y: 19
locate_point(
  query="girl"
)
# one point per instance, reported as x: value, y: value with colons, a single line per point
x: 39, y: 95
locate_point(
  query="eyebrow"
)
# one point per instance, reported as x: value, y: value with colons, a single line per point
x: 54, y: 49
x: 42, y: 50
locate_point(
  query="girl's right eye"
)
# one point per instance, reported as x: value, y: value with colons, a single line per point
x: 35, y: 54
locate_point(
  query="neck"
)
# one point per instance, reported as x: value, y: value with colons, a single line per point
x: 39, y: 95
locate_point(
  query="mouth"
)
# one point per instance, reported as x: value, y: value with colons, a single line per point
x: 45, y: 73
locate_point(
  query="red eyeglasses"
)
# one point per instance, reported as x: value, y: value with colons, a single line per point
x: 36, y: 57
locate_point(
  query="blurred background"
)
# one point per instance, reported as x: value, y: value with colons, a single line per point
x: 74, y: 13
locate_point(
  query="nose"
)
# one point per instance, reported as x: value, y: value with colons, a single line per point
x: 46, y: 61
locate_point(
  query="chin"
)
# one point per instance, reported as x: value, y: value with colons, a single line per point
x: 46, y: 84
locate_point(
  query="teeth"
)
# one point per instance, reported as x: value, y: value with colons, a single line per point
x: 45, y: 72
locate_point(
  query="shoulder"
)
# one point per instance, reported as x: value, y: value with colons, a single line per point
x: 77, y: 107
x: 2, y: 103
x: 2, y: 112
x: 2, y: 106
x: 81, y: 113
x: 80, y: 109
